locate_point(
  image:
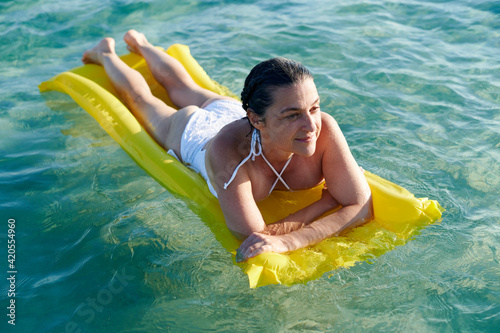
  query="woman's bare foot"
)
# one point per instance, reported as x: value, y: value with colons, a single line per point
x: 135, y: 41
x: 95, y: 54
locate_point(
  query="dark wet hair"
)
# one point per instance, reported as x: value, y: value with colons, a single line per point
x: 267, y: 76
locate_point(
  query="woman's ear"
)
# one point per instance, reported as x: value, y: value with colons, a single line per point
x: 256, y: 120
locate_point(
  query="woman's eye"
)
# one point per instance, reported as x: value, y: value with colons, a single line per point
x: 292, y: 116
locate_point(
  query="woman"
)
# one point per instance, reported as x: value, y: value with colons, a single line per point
x: 279, y: 140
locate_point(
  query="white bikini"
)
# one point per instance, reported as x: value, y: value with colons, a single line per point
x: 203, y: 125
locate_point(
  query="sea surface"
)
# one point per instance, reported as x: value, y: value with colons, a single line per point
x: 101, y: 247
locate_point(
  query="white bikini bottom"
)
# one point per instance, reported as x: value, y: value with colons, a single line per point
x: 203, y: 125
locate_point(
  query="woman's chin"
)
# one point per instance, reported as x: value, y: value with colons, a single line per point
x: 306, y: 149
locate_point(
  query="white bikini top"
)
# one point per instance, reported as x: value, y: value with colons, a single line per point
x: 256, y: 150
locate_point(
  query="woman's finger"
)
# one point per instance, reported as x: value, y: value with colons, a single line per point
x: 250, y: 244
x: 252, y: 239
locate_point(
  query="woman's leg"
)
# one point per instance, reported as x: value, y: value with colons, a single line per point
x: 170, y: 73
x: 154, y: 115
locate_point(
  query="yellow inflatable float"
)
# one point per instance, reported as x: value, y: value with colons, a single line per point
x: 398, y: 214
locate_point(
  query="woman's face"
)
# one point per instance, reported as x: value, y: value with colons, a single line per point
x: 293, y: 122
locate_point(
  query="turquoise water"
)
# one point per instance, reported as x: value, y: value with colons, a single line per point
x: 100, y: 247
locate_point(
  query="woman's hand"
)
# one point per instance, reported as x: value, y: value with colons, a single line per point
x: 258, y: 243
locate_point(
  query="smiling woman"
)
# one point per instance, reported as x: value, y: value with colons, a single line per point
x: 208, y: 131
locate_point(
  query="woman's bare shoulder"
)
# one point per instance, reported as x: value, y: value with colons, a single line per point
x: 231, y: 139
x: 228, y: 148
x: 329, y: 123
x: 331, y: 133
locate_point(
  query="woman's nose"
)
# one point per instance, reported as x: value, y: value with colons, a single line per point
x: 309, y: 123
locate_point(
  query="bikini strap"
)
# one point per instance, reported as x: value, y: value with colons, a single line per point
x: 253, y: 152
x: 256, y: 150
x: 278, y: 175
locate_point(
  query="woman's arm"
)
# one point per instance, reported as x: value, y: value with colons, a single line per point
x: 303, y: 216
x: 326, y: 227
x: 238, y: 204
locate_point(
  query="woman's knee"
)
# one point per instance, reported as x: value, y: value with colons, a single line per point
x: 137, y: 98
